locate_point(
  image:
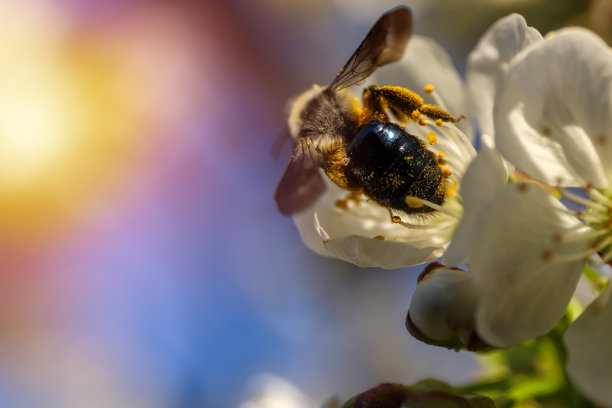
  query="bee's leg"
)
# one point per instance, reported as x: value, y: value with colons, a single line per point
x: 374, y: 106
x: 406, y: 104
x: 435, y: 112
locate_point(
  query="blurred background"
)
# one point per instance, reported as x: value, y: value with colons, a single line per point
x: 142, y: 260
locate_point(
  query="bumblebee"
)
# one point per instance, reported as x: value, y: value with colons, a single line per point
x: 358, y: 147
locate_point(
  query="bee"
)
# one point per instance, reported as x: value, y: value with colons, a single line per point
x: 358, y: 147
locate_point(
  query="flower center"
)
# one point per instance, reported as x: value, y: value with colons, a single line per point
x: 598, y: 215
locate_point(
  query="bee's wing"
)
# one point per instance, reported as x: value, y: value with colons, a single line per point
x: 384, y: 43
x: 302, y: 182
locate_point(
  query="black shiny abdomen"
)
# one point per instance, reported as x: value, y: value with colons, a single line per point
x: 390, y: 164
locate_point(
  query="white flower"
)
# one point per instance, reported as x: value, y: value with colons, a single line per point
x: 552, y: 116
x: 361, y: 231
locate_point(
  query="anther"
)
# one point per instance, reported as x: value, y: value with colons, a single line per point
x: 422, y: 122
x: 557, y: 238
x: 416, y: 114
x: 439, y: 122
x: 446, y: 172
x: 546, y: 131
x: 342, y: 204
x: 546, y: 255
x: 601, y: 139
x: 523, y: 187
x: 429, y: 88
x: 379, y: 238
x: 452, y: 189
x: 413, y: 202
x: 433, y: 139
x: 396, y: 219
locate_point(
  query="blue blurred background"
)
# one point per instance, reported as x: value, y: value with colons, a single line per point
x: 142, y: 260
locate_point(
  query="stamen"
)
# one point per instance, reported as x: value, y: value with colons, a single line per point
x: 602, y: 244
x: 422, y: 122
x: 395, y: 219
x: 593, y: 217
x: 455, y: 166
x: 599, y: 197
x: 435, y: 207
x: 574, y: 197
x: 429, y: 88
x: 606, y: 257
x: 437, y: 100
x: 459, y: 138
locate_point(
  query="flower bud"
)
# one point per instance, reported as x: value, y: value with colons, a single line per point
x: 443, y: 307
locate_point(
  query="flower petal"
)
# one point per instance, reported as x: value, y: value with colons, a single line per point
x: 364, y: 235
x: 426, y: 62
x: 527, y: 256
x: 589, y: 362
x: 489, y: 62
x: 367, y: 252
x: 483, y: 178
x: 554, y: 114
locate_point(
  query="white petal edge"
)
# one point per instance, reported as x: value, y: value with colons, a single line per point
x: 553, y: 118
x: 588, y: 342
x: 489, y: 61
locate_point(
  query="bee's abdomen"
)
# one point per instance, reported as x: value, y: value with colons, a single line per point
x: 390, y: 164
